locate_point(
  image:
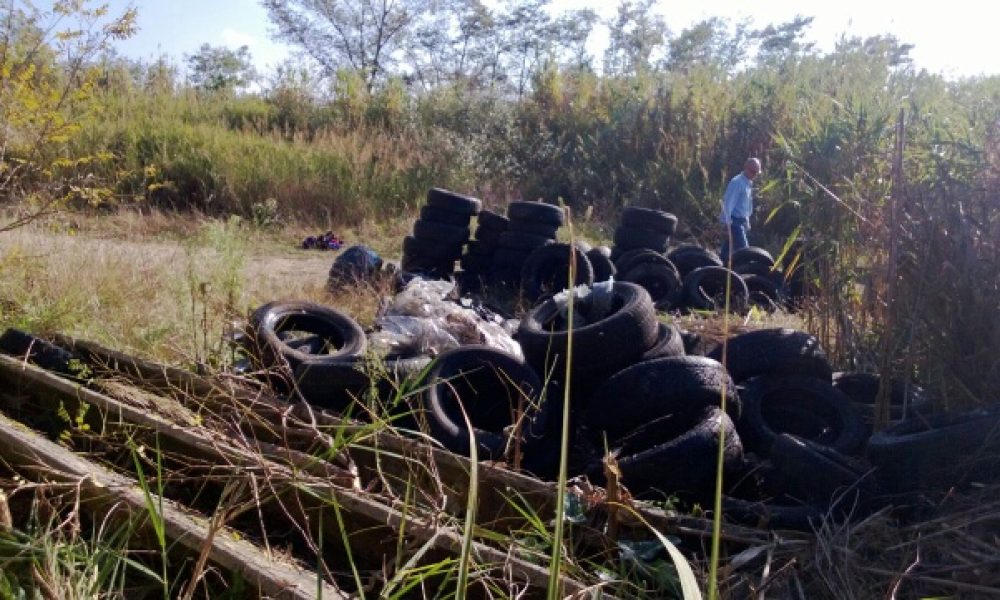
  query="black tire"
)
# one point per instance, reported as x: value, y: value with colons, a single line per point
x: 523, y: 210
x: 776, y: 351
x: 821, y: 474
x: 689, y: 258
x: 442, y: 215
x: 862, y: 388
x: 333, y: 385
x: 937, y: 452
x: 420, y: 249
x: 668, y: 343
x: 488, y: 236
x: 512, y: 259
x: 39, y: 352
x: 440, y: 232
x: 546, y: 230
x: 604, y: 269
x: 453, y: 201
x: 763, y: 292
x: 705, y: 288
x: 752, y: 255
x: 488, y: 219
x: 341, y: 333
x: 546, y: 270
x: 804, y: 406
x: 522, y: 241
x: 775, y: 513
x: 661, y: 281
x: 477, y: 263
x: 649, y: 218
x: 629, y: 238
x: 678, y: 386
x: 491, y: 386
x: 606, y: 343
x: 684, y: 465
x: 630, y: 258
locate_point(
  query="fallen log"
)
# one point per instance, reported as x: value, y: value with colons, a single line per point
x: 36, y: 458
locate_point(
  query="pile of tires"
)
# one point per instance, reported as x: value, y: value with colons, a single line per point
x: 477, y: 261
x: 531, y: 226
x: 643, y: 229
x: 439, y: 234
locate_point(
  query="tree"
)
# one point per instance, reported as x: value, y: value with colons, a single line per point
x: 777, y: 43
x: 709, y: 42
x: 368, y: 36
x: 216, y: 68
x: 49, y: 70
x: 634, y: 37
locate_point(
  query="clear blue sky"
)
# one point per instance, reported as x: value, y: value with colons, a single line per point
x: 954, y: 38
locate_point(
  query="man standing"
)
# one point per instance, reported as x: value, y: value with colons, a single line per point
x: 737, y: 206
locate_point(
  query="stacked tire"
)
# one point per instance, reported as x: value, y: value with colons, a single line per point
x: 477, y: 262
x: 531, y: 226
x: 764, y: 280
x: 643, y: 229
x: 439, y: 234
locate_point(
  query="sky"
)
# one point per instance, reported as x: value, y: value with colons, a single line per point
x: 951, y: 39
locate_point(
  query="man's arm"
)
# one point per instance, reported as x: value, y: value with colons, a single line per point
x: 729, y: 200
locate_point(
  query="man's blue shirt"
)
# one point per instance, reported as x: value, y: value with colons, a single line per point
x: 738, y: 200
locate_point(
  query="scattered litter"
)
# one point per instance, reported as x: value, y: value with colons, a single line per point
x: 324, y: 241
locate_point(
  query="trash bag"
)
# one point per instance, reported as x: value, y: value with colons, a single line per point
x: 354, y: 264
x: 423, y: 320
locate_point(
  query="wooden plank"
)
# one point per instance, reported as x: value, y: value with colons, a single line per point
x: 32, y: 455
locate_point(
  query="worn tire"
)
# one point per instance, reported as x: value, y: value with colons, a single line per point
x: 488, y: 219
x: 437, y: 214
x: 605, y: 344
x: 629, y: 238
x: 669, y: 342
x: 339, y: 330
x: 661, y: 281
x: 649, y: 218
x: 491, y: 385
x: 774, y: 351
x: 689, y: 258
x: 546, y: 270
x: 939, y: 451
x: 600, y: 261
x: 453, y: 201
x: 705, y: 289
x: 524, y: 210
x: 643, y: 392
x: 804, y: 406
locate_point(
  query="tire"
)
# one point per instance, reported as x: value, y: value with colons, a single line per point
x: 604, y: 344
x: 39, y: 352
x: 488, y: 236
x: 684, y: 465
x: 420, y: 249
x: 937, y: 452
x: 437, y: 214
x: 340, y: 331
x: 804, y: 406
x: 600, y: 261
x: 668, y: 343
x: 705, y: 289
x: 522, y: 241
x: 862, y: 389
x: 546, y: 270
x: 440, y: 232
x: 648, y: 218
x: 546, y: 230
x: 689, y: 258
x: 661, y: 281
x: 492, y: 386
x: 776, y: 513
x: 752, y: 255
x: 511, y: 258
x: 631, y: 258
x: 821, y: 474
x: 679, y: 386
x: 453, y: 201
x: 488, y: 219
x: 630, y: 238
x: 522, y: 210
x: 477, y: 263
x: 776, y: 351
x: 763, y: 292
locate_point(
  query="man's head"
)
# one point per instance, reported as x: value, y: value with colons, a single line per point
x: 751, y: 168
